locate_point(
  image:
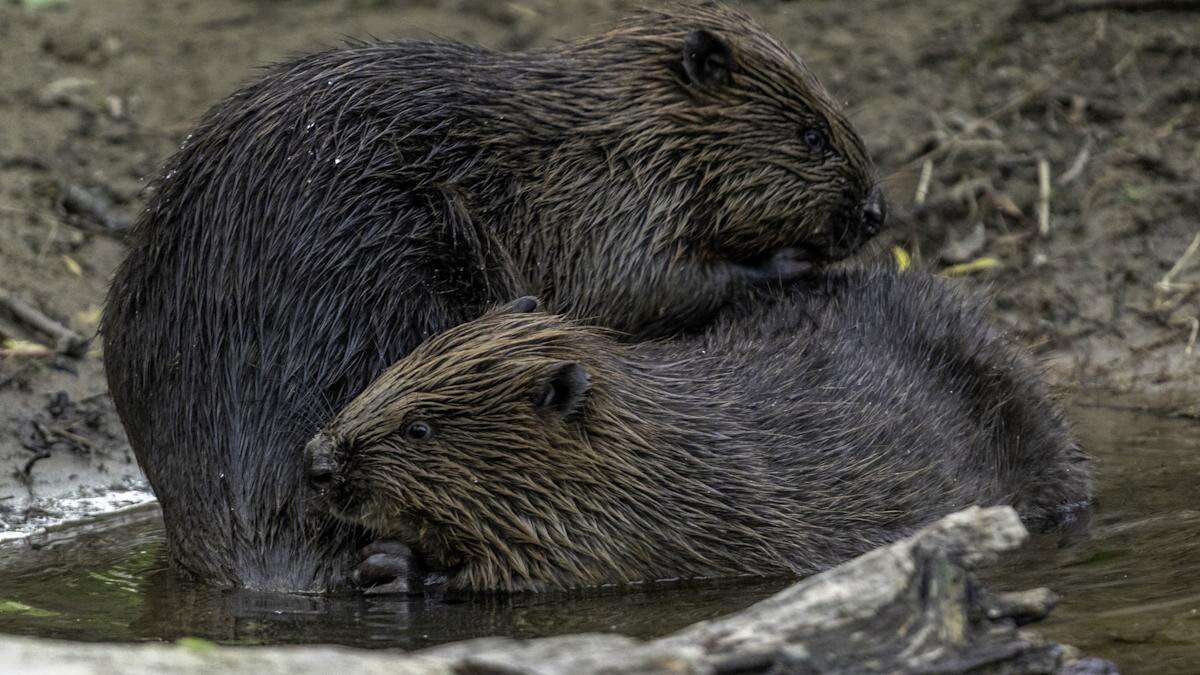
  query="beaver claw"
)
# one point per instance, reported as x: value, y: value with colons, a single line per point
x: 387, y: 566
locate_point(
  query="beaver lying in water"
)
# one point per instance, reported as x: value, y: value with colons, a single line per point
x: 523, y: 451
x: 324, y: 220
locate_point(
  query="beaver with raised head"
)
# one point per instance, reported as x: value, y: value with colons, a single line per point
x: 524, y: 451
x: 324, y: 220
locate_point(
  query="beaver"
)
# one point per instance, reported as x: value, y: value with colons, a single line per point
x: 324, y: 220
x: 525, y: 451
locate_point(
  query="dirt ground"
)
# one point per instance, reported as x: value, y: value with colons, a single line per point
x: 1049, y: 155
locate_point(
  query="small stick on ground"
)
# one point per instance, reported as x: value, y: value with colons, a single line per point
x: 50, y: 237
x: 1043, y: 198
x: 69, y: 342
x: 1078, y: 165
x: 72, y: 437
x: 28, y: 353
x: 25, y: 476
x: 923, y: 182
x: 1166, y: 284
x: 1191, y: 345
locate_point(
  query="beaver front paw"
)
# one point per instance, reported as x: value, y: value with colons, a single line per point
x: 783, y: 265
x: 387, y: 566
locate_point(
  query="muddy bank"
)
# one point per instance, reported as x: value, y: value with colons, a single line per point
x: 62, y: 449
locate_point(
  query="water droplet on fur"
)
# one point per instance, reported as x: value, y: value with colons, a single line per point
x: 337, y: 160
x: 310, y: 126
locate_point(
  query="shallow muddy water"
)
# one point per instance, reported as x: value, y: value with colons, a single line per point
x: 1130, y: 584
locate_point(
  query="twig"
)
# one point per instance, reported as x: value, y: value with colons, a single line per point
x: 1191, y: 345
x: 50, y: 237
x: 25, y: 353
x: 1044, y: 198
x: 1078, y: 165
x: 69, y: 342
x: 1166, y: 283
x: 923, y: 182
x: 71, y: 436
x: 37, y: 457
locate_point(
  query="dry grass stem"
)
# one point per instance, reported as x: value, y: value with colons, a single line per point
x: 1043, y: 198
x: 923, y: 182
x: 1167, y: 283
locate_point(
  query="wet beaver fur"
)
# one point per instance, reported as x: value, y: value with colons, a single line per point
x: 324, y: 220
x: 523, y: 451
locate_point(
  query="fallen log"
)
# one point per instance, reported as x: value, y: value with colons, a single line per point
x: 910, y: 607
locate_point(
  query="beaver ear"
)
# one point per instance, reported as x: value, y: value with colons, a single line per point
x: 523, y: 305
x: 565, y: 390
x: 707, y: 60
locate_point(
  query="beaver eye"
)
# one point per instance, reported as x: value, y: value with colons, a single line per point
x: 418, y: 431
x: 814, y: 139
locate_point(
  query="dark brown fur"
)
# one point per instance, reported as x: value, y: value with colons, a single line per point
x: 325, y: 219
x: 836, y: 417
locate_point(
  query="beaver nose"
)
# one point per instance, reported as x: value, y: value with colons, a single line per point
x: 874, y: 213
x: 318, y: 462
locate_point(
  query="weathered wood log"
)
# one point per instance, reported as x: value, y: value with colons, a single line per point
x: 909, y: 607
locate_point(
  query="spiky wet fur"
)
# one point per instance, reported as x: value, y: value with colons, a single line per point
x: 325, y: 219
x: 837, y: 416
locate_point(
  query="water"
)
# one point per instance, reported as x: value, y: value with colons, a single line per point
x: 1130, y: 585
x: 114, y: 585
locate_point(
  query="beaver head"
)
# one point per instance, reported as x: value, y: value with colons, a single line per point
x: 730, y: 144
x: 506, y: 452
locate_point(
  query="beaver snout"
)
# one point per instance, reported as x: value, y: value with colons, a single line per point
x: 319, y: 466
x: 874, y: 212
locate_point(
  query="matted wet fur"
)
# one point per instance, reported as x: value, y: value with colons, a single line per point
x: 523, y: 451
x: 323, y: 220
